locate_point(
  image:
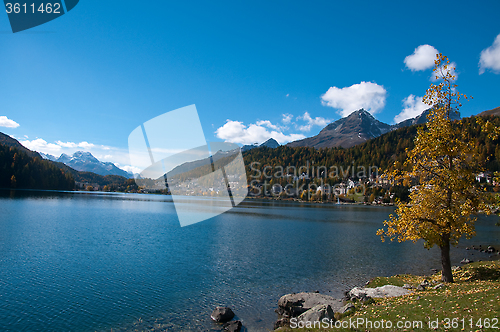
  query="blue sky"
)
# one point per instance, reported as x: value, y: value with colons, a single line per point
x: 253, y: 69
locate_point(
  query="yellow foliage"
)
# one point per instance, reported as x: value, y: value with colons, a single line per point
x: 442, y: 167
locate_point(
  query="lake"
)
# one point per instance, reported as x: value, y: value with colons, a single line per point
x: 96, y: 262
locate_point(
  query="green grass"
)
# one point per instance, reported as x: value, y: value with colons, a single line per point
x: 359, y: 198
x: 474, y: 295
x: 382, y: 281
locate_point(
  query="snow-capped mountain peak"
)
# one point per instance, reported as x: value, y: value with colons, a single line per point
x: 85, y: 162
x: 82, y: 156
x: 356, y: 128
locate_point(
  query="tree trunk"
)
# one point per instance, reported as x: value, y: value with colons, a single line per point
x: 446, y: 275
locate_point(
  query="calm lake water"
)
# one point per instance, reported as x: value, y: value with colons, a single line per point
x: 96, y: 262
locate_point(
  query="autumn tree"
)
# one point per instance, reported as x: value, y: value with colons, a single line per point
x: 442, y: 167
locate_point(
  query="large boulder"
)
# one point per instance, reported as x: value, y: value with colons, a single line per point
x: 222, y: 314
x: 293, y: 305
x: 384, y: 291
x: 283, y: 322
x: 317, y: 313
x: 233, y: 326
x: 349, y: 308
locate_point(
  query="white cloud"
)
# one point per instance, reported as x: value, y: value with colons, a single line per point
x: 367, y: 95
x: 413, y: 106
x: 41, y: 145
x: 310, y: 122
x: 131, y: 169
x: 237, y: 132
x: 422, y: 58
x: 127, y: 168
x: 67, y: 144
x: 490, y: 57
x: 287, y: 118
x: 83, y: 145
x: 267, y: 124
x: 8, y: 123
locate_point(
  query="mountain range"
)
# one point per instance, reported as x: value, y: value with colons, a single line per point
x: 86, y: 162
x: 270, y: 143
x: 359, y: 127
x: 494, y: 112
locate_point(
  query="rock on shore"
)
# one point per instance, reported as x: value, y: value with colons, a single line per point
x: 384, y: 291
x: 293, y: 305
x: 318, y: 313
x: 233, y: 326
x: 222, y: 314
x: 312, y: 307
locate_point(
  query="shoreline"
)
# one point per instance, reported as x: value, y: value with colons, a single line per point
x: 429, y: 302
x: 284, y: 317
x: 297, y: 200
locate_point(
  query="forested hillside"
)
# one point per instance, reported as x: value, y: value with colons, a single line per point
x: 18, y: 170
x: 21, y: 168
x: 382, y: 151
x: 12, y: 142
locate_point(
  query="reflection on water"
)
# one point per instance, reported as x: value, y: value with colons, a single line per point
x: 92, y: 262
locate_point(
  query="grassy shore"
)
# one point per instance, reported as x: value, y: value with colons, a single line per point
x: 471, y: 303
